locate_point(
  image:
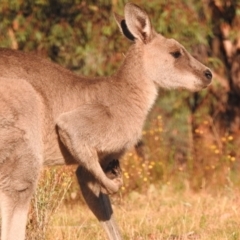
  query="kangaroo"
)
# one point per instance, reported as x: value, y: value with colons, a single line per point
x: 49, y: 115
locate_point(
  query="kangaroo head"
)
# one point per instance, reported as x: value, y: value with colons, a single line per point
x: 164, y: 61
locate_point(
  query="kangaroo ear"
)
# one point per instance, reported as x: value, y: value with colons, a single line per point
x: 123, y: 27
x: 138, y: 23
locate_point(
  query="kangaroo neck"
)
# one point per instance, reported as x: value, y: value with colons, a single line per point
x: 140, y: 91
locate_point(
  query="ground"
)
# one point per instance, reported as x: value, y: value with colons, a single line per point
x: 162, y: 212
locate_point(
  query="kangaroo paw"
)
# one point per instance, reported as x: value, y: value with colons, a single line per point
x: 113, y: 169
x: 113, y: 172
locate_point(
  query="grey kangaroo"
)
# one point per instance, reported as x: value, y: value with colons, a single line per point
x: 49, y: 115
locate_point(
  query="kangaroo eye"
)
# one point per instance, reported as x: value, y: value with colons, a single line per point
x: 176, y: 54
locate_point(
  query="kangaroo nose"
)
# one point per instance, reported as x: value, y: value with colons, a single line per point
x: 208, y: 75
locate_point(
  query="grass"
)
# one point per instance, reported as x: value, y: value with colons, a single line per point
x: 162, y: 212
x: 162, y: 198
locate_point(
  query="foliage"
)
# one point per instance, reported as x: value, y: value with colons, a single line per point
x: 53, y: 186
x: 83, y: 35
x: 73, y: 33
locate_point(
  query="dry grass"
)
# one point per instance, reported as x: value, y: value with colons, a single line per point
x: 157, y: 200
x: 159, y: 213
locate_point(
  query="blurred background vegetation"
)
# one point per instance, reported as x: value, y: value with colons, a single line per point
x: 189, y: 137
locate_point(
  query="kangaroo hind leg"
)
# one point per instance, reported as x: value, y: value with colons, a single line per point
x: 18, y: 178
x: 21, y: 153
